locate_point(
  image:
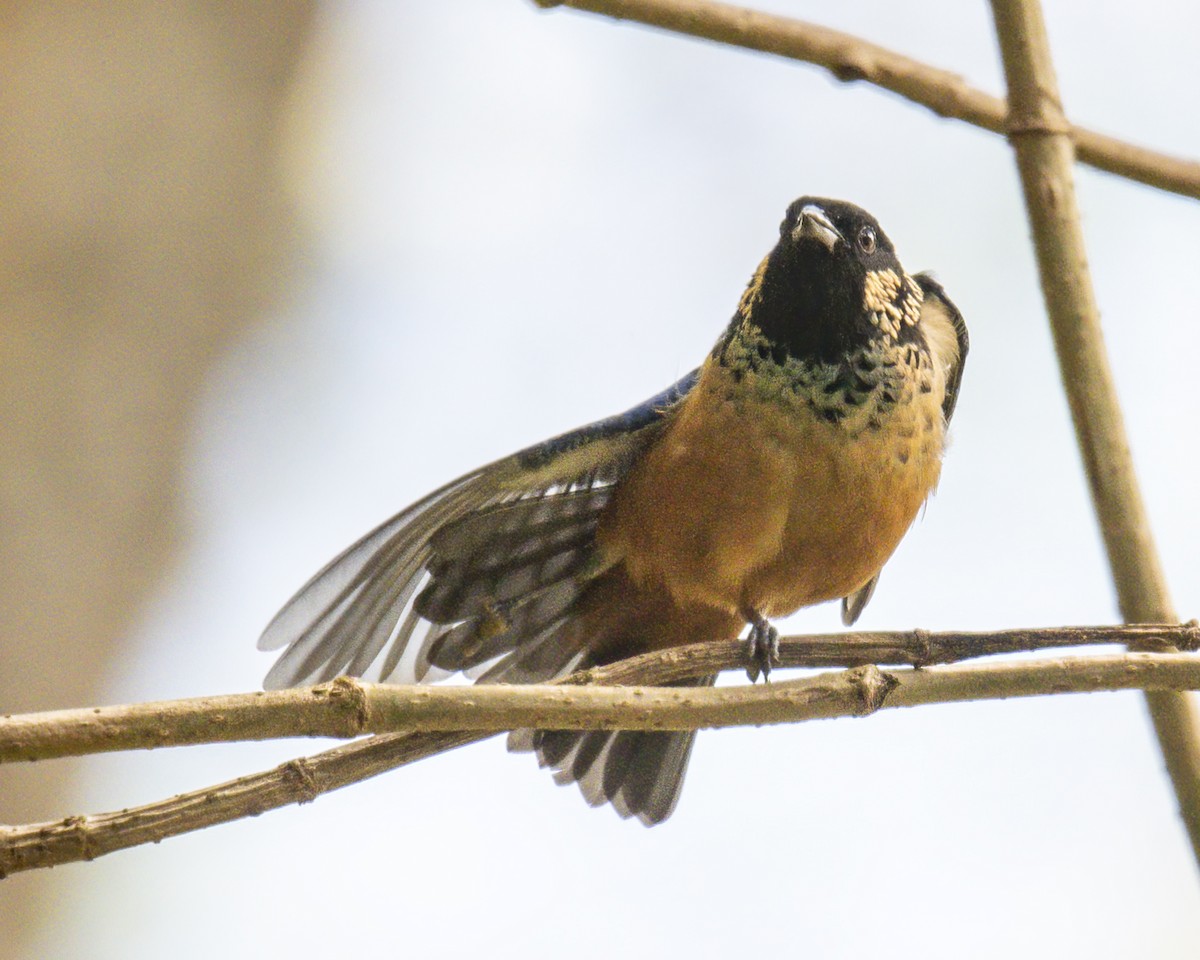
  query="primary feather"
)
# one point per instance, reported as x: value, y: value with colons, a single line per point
x: 504, y: 552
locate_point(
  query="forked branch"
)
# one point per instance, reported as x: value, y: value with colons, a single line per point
x: 854, y: 692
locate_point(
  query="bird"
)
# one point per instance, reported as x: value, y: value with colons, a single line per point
x: 780, y: 473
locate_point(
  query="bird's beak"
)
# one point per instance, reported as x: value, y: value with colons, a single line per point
x: 814, y: 224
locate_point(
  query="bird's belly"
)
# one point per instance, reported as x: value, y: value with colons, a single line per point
x: 752, y: 505
x: 852, y: 503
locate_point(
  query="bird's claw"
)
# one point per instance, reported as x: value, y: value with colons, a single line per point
x: 762, y: 649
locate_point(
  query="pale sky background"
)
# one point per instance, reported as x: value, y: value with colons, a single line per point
x: 522, y: 221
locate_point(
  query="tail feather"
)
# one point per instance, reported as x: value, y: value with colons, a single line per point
x: 639, y: 772
x: 621, y: 750
x: 654, y: 776
x: 583, y: 756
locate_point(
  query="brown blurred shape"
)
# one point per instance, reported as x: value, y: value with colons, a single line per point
x: 142, y: 225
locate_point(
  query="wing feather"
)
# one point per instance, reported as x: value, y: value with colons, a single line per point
x: 946, y: 329
x: 501, y: 551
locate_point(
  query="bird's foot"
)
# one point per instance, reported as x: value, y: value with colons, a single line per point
x: 762, y: 647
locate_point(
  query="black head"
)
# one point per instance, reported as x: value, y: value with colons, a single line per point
x: 813, y: 295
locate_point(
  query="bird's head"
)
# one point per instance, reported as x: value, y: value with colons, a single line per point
x: 831, y: 284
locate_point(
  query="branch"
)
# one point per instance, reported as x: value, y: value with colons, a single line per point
x: 347, y: 708
x: 1041, y: 138
x: 849, y: 58
x: 851, y: 693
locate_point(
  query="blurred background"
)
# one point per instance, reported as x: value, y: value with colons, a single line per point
x: 272, y: 271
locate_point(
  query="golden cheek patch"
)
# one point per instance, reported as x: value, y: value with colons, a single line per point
x: 892, y: 300
x: 880, y: 289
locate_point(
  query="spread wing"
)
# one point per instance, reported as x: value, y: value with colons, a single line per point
x: 946, y: 331
x: 500, y: 555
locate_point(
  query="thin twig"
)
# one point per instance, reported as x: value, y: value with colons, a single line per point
x: 855, y: 692
x: 849, y: 58
x: 1041, y: 138
x: 348, y: 708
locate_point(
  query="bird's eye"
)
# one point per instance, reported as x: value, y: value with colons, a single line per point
x: 866, y: 240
